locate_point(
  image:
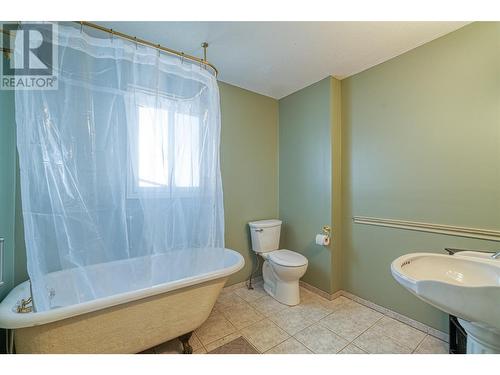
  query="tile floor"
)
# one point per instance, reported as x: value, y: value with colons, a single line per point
x: 317, y: 325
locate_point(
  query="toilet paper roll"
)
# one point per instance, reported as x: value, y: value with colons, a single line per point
x: 322, y: 239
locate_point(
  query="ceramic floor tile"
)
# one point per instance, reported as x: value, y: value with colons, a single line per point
x: 358, y: 312
x: 432, y: 345
x: 335, y: 304
x: 329, y: 326
x: 264, y: 335
x: 290, y: 346
x: 291, y: 320
x: 226, y: 291
x: 250, y: 295
x: 224, y: 340
x: 352, y: 349
x: 237, y: 346
x: 372, y: 341
x: 312, y: 310
x: 227, y: 300
x: 342, y: 299
x: 267, y: 305
x: 242, y: 316
x: 351, y: 319
x: 215, y: 327
x: 345, y: 327
x: 321, y: 340
x: 306, y: 295
x: 195, y: 342
x: 400, y: 332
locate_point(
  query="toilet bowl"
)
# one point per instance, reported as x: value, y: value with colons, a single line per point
x: 283, y: 268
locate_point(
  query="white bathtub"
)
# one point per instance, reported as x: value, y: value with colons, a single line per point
x: 126, y: 318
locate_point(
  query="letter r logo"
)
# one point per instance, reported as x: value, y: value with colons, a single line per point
x: 33, y: 49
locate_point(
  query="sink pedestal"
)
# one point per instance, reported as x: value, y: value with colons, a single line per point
x: 481, y: 339
x: 467, y: 286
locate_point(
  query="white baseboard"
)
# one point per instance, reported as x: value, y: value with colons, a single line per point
x: 320, y: 292
x: 402, y: 318
x: 390, y: 313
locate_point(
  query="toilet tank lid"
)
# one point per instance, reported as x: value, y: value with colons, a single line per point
x: 265, y: 223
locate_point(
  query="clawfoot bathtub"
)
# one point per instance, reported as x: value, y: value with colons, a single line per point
x: 125, y: 322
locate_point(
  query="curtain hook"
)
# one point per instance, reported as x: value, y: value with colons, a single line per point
x: 182, y: 57
x: 81, y: 27
x: 159, y: 50
x: 111, y: 35
x: 135, y: 38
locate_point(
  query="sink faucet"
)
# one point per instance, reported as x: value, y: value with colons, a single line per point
x: 452, y: 251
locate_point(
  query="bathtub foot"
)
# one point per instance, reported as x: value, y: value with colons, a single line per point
x: 186, y: 347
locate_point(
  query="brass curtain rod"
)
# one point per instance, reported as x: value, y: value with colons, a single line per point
x: 156, y: 46
x: 112, y: 32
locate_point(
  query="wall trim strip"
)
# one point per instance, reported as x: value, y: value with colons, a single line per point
x: 450, y: 230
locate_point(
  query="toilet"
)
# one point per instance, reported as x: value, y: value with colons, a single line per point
x: 282, y: 269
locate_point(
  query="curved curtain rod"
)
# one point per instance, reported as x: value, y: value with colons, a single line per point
x: 156, y: 46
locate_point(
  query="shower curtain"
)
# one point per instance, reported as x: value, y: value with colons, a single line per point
x: 119, y: 164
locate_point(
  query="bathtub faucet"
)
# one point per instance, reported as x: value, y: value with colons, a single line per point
x: 24, y: 307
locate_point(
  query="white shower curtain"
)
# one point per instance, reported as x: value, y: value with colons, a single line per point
x: 120, y: 163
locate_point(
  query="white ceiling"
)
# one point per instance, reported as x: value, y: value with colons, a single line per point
x: 279, y: 58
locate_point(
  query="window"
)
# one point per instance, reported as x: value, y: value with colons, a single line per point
x: 152, y: 170
x: 165, y: 152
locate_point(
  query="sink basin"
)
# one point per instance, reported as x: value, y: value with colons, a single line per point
x: 464, y: 285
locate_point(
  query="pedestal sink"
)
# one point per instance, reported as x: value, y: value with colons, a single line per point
x: 464, y: 285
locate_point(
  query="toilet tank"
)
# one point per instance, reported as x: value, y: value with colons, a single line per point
x: 265, y: 235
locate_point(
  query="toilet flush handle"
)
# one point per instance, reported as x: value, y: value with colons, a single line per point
x: 259, y: 230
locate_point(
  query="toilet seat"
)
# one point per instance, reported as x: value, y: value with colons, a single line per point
x: 287, y: 258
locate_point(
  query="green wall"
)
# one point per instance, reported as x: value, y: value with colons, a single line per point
x: 249, y: 138
x: 7, y: 186
x: 249, y: 158
x: 421, y: 142
x: 305, y: 176
x: 336, y: 188
x: 20, y: 271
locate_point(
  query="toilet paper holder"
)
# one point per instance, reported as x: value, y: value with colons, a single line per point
x: 323, y: 239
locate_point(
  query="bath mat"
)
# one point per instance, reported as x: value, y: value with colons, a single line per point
x: 237, y: 346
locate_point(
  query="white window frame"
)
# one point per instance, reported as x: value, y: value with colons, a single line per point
x: 134, y: 191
